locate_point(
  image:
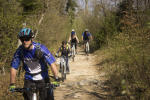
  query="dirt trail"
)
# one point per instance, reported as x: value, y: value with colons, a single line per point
x: 83, y: 82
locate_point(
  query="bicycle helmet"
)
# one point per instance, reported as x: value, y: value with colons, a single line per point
x: 26, y: 32
x: 73, y: 30
x: 86, y: 30
x: 64, y: 42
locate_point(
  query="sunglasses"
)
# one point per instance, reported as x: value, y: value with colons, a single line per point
x: 25, y: 39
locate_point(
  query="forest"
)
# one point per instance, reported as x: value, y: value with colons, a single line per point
x: 120, y: 29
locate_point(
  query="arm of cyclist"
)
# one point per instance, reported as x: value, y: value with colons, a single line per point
x: 68, y: 49
x: 57, y: 53
x: 51, y: 61
x: 82, y: 38
x: 77, y: 39
x: 91, y: 37
x: 13, y: 73
x: 54, y: 70
x: 13, y: 70
x: 69, y: 53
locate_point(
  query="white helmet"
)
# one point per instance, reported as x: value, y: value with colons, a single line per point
x: 86, y: 30
x: 73, y: 30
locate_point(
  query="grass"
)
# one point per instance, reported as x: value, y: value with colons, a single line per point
x: 5, y: 94
x: 126, y: 64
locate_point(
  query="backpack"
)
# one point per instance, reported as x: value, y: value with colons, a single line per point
x: 38, y: 56
x: 67, y: 46
x: 65, y: 52
x: 85, y: 36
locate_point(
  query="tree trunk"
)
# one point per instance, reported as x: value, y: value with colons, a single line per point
x: 3, y: 67
x: 86, y: 7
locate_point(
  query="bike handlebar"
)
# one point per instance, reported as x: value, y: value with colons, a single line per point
x: 21, y: 90
x: 34, y: 88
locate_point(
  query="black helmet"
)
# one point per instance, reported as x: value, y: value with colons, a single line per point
x: 64, y: 42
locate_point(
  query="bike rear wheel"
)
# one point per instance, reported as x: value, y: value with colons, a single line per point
x: 73, y: 53
x: 62, y: 73
x: 87, y: 48
x: 65, y: 71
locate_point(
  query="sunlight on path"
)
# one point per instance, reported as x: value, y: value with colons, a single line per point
x: 81, y: 82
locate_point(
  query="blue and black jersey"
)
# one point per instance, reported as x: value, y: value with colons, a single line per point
x: 31, y: 64
x: 86, y: 36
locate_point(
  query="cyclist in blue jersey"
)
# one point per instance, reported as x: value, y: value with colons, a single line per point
x: 86, y: 36
x: 73, y: 39
x: 35, y: 58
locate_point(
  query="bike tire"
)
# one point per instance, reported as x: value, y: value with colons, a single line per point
x: 73, y: 50
x: 64, y: 66
x: 73, y: 58
x: 62, y: 73
x: 87, y: 49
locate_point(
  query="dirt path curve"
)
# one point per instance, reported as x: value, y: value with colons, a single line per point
x: 83, y: 81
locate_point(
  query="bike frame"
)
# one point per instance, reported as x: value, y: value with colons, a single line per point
x: 34, y: 90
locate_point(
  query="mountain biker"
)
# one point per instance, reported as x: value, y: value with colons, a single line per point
x: 35, y: 58
x: 73, y: 39
x: 86, y: 36
x: 65, y: 51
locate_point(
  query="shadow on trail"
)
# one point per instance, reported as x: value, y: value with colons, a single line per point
x: 114, y: 92
x: 82, y: 90
x: 99, y: 91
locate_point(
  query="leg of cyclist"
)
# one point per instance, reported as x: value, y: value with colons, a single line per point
x: 67, y: 66
x: 28, y: 94
x: 42, y: 91
x: 71, y: 48
x: 84, y: 44
x: 76, y: 47
x: 45, y: 94
x: 88, y: 46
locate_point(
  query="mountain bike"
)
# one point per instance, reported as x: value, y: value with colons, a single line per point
x: 73, y: 50
x: 34, y: 90
x: 63, y: 67
x: 87, y: 47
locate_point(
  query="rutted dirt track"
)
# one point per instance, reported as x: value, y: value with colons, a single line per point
x: 83, y: 82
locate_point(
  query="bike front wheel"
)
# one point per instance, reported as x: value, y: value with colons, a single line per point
x: 87, y: 48
x: 62, y: 73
